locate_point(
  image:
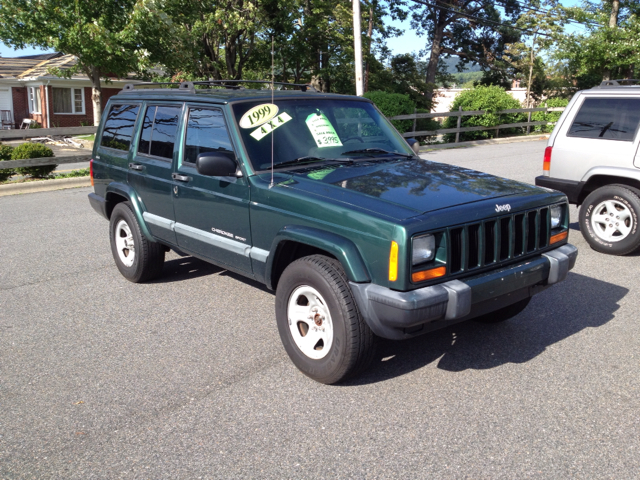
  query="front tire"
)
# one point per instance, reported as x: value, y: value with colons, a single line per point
x: 138, y: 259
x: 609, y: 220
x: 319, y: 322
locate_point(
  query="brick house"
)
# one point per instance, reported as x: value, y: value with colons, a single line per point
x: 28, y: 91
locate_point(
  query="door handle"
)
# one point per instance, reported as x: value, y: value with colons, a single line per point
x: 136, y: 166
x: 180, y: 178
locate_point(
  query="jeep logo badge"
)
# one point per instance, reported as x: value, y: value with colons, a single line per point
x: 503, y: 208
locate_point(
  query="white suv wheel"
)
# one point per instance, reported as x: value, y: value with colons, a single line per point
x: 612, y: 221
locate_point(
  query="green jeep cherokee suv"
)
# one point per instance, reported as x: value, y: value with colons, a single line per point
x: 318, y: 197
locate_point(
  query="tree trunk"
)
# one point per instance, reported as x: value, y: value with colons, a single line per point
x: 96, y: 93
x: 436, y: 50
x: 615, y: 9
x: 613, y: 23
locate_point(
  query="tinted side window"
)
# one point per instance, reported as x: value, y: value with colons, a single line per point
x: 206, y: 132
x: 118, y: 128
x: 159, y: 131
x: 607, y: 118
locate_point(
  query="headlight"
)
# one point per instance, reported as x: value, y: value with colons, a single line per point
x: 556, y: 216
x: 424, y: 249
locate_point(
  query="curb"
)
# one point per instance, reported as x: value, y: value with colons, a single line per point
x: 44, y: 186
x: 490, y: 141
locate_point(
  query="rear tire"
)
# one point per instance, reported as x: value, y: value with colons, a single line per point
x: 319, y: 322
x: 504, y: 314
x: 609, y: 220
x: 138, y: 259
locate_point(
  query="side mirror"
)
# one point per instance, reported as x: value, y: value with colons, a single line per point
x: 414, y: 144
x: 214, y: 164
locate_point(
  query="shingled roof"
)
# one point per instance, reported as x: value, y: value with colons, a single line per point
x: 25, y: 67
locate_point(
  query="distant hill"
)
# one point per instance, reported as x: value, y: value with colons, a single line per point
x: 452, y: 62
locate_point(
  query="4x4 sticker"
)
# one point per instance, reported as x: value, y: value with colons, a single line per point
x: 258, y: 115
x: 261, y: 132
x: 322, y: 131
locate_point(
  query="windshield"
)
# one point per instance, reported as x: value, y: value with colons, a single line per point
x: 313, y: 130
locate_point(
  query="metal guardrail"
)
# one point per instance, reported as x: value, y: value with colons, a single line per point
x: 468, y: 113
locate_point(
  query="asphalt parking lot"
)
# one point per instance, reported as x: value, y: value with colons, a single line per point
x: 185, y: 377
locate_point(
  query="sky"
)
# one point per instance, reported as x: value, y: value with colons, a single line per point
x: 409, y: 42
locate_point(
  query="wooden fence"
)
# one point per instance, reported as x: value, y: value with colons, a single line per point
x: 458, y: 130
x: 43, y: 132
x: 71, y: 131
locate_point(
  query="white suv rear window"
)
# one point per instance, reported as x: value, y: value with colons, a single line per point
x: 607, y: 118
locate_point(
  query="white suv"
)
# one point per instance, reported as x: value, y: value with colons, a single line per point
x: 592, y: 156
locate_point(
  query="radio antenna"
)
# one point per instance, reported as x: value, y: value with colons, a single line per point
x: 273, y: 75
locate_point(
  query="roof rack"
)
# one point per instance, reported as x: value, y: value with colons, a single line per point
x: 230, y: 84
x: 621, y: 82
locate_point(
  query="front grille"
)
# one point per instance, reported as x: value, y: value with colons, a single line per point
x: 476, y: 245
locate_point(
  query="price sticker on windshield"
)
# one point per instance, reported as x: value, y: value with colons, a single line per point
x: 258, y: 115
x: 268, y: 127
x: 322, y: 131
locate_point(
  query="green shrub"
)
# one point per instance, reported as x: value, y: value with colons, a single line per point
x: 33, y: 150
x: 550, y: 116
x: 392, y: 104
x: 5, y: 154
x: 492, y: 99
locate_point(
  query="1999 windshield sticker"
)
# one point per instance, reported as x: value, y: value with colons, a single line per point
x: 261, y: 132
x: 322, y: 131
x: 258, y: 115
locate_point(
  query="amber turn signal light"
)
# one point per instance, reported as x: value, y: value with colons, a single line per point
x: 428, y: 274
x: 558, y: 237
x: 393, y: 262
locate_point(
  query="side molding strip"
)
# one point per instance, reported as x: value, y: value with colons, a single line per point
x: 211, y: 239
x: 158, y: 221
x: 216, y: 240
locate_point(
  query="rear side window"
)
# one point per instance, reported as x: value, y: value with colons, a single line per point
x: 118, y: 128
x: 159, y: 131
x: 206, y: 132
x: 607, y: 118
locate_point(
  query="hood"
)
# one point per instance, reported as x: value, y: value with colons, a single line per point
x: 404, y: 188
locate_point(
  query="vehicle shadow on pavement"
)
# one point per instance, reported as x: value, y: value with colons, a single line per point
x: 554, y: 315
x: 187, y: 268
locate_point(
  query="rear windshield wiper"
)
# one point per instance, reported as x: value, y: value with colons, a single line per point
x: 377, y: 150
x: 310, y: 159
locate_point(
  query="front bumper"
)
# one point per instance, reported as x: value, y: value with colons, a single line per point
x: 398, y: 315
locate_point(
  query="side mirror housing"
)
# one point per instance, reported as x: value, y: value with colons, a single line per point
x: 414, y: 144
x: 214, y: 164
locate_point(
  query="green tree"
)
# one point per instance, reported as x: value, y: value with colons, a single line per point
x: 476, y: 31
x: 199, y: 39
x: 544, y: 20
x: 611, y: 45
x: 99, y: 34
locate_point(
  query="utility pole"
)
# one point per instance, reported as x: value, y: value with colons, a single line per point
x: 357, y: 46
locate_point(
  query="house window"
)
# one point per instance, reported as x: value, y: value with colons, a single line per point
x: 34, y: 99
x: 68, y: 100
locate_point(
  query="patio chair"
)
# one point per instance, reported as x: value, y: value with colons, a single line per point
x: 7, y: 119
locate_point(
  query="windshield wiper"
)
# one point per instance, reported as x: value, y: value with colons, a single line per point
x: 378, y: 150
x: 311, y: 159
